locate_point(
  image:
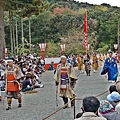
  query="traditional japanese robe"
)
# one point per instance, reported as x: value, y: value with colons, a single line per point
x: 80, y: 63
x: 87, y: 63
x: 101, y: 60
x: 110, y: 67
x: 95, y: 63
x: 64, y: 76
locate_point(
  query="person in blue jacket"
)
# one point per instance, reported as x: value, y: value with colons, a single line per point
x: 51, y: 67
x: 110, y: 67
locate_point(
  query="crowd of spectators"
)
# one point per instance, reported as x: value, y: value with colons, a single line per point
x: 31, y: 69
x: 108, y: 109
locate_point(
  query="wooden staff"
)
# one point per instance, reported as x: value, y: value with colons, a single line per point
x: 56, y: 95
x: 74, y: 110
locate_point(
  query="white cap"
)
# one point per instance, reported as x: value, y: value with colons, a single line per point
x: 63, y: 56
x: 10, y: 60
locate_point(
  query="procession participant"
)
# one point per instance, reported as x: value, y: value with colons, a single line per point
x: 12, y: 85
x: 103, y: 56
x: 80, y: 63
x: 101, y: 60
x: 65, y: 77
x: 95, y: 62
x: 87, y: 64
x: 110, y: 67
x: 74, y: 63
x: 106, y: 55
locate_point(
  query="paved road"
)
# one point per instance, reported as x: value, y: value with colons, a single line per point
x: 38, y: 105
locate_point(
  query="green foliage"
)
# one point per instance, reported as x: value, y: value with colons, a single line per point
x: 53, y: 49
x: 103, y: 49
x: 67, y: 23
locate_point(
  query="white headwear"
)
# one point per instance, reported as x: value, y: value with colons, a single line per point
x: 63, y: 56
x: 10, y: 60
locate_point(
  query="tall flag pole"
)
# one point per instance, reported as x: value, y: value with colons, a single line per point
x: 85, y: 31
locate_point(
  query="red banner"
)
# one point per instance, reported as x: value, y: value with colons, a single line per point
x: 85, y: 30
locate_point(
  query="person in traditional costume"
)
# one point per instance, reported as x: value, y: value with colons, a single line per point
x: 110, y: 67
x: 101, y: 60
x: 80, y: 63
x: 12, y: 84
x: 103, y: 56
x: 74, y: 62
x: 87, y: 62
x: 65, y: 79
x: 95, y: 62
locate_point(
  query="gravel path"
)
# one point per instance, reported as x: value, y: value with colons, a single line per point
x: 38, y: 105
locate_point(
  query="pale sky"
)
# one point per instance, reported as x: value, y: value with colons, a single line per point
x: 98, y: 2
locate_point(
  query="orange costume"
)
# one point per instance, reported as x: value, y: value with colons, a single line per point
x: 12, y: 85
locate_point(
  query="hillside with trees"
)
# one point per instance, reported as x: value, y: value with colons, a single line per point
x: 30, y: 22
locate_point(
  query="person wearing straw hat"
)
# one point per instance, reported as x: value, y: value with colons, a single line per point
x: 12, y: 85
x: 65, y: 78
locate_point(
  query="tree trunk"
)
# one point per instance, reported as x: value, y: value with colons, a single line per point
x: 11, y: 34
x: 29, y: 33
x: 16, y: 37
x: 2, y: 35
x: 14, y: 43
x: 22, y: 35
